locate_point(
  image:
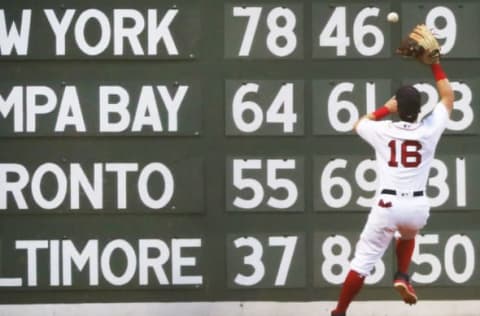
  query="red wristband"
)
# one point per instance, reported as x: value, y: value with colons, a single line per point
x: 438, y: 72
x: 381, y: 112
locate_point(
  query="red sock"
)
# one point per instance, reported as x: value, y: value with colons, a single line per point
x: 404, y: 252
x: 352, y: 285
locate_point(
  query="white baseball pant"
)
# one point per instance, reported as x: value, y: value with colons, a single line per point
x: 391, y: 213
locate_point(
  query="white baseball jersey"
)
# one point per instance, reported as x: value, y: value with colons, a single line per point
x: 404, y: 151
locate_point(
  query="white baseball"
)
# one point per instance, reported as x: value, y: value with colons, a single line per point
x: 392, y: 17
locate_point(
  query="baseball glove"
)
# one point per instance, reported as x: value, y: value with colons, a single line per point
x: 420, y: 44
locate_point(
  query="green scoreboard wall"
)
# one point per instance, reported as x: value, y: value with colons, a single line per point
x: 203, y: 150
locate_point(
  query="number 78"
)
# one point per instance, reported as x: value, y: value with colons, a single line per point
x: 276, y: 30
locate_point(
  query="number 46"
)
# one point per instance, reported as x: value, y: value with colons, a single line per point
x: 338, y: 23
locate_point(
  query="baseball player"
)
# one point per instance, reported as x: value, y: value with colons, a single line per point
x: 404, y: 152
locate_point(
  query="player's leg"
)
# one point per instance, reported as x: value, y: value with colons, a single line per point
x: 351, y: 286
x: 410, y: 219
x: 404, y: 251
x: 373, y: 242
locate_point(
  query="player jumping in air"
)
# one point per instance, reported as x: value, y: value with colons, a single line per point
x: 404, y: 152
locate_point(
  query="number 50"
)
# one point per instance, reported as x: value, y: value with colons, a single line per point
x: 433, y: 261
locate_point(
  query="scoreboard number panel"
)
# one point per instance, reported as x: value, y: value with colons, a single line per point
x: 264, y: 31
x: 264, y: 107
x: 343, y: 182
x: 266, y: 261
x: 337, y: 105
x: 446, y: 258
x: 346, y: 30
x: 332, y: 254
x: 465, y: 114
x: 349, y: 182
x: 455, y: 25
x: 265, y: 184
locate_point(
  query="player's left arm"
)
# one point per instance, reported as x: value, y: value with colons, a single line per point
x: 389, y: 107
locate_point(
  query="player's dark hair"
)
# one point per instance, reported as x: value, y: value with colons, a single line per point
x: 408, y: 103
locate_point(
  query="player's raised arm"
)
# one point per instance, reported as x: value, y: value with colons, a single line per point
x: 389, y: 107
x: 422, y: 45
x: 443, y: 86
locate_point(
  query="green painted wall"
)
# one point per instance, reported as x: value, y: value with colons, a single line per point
x: 129, y: 186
